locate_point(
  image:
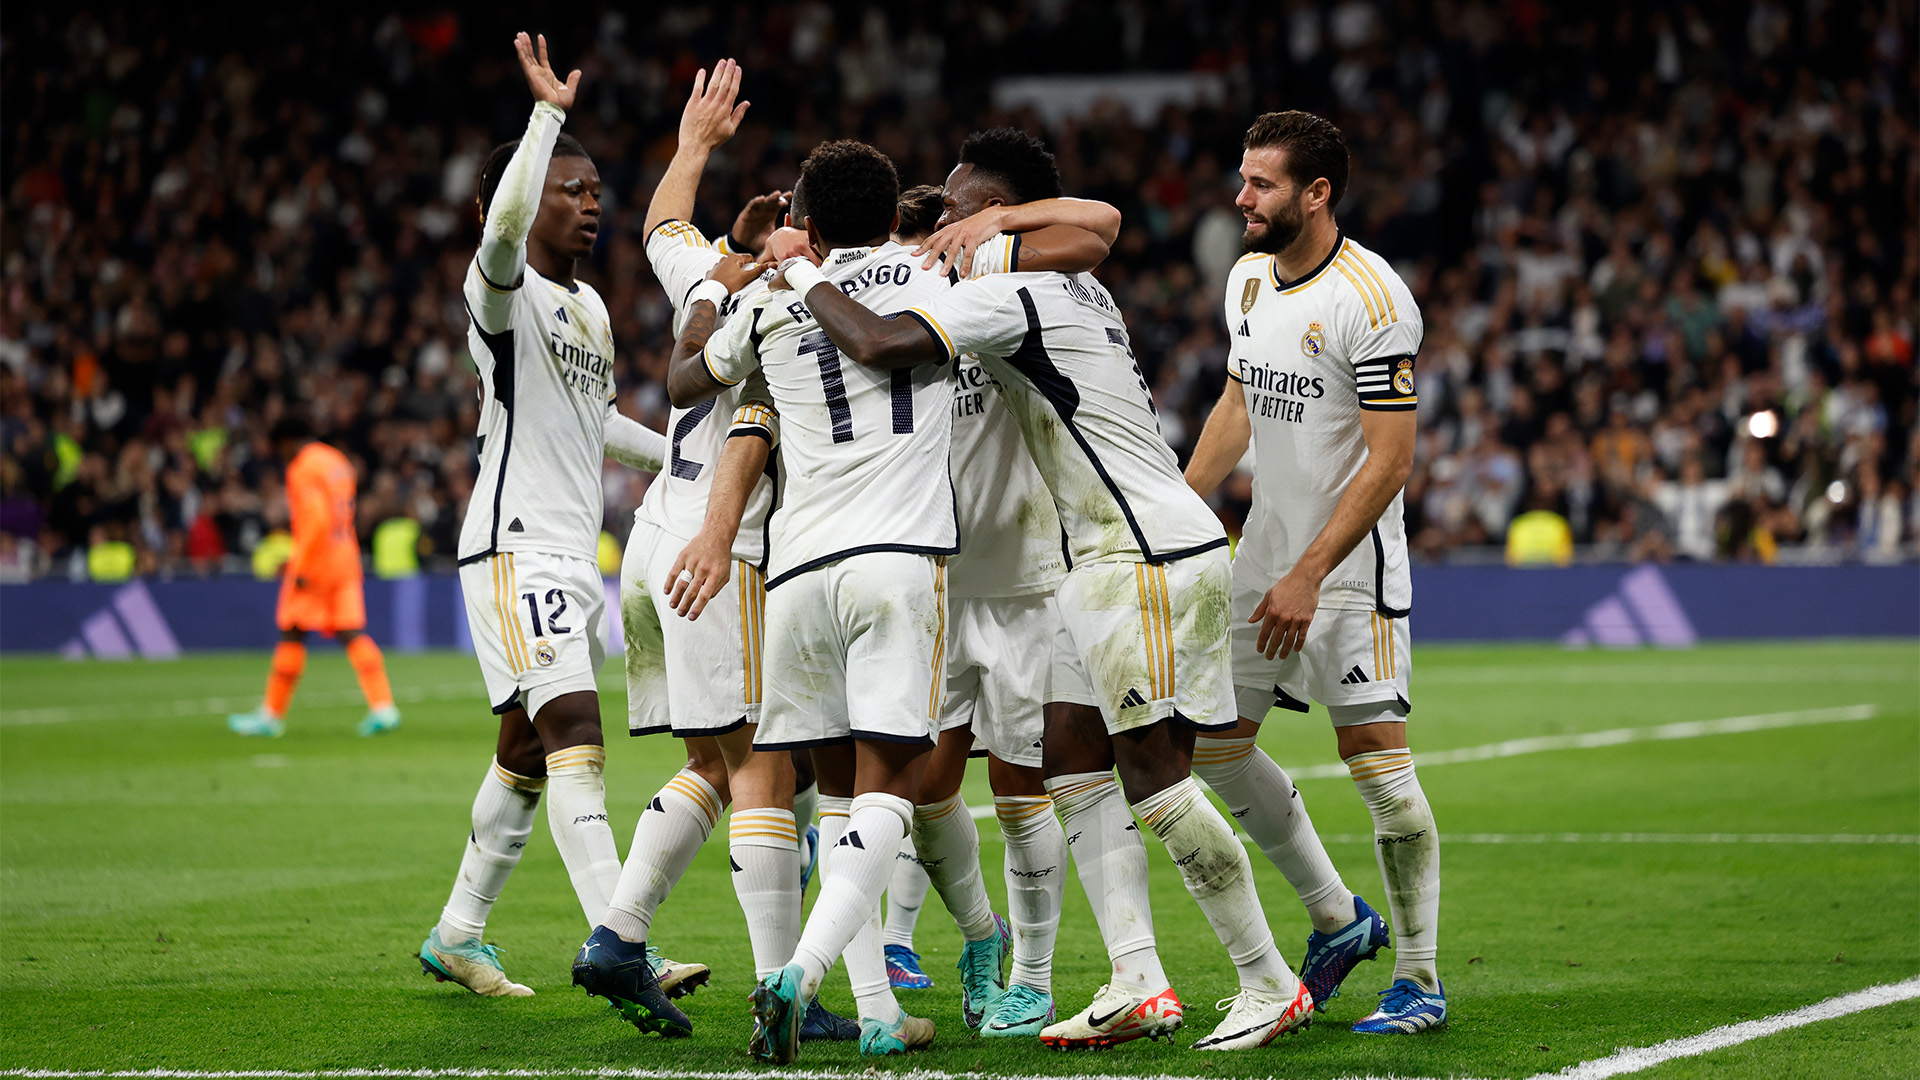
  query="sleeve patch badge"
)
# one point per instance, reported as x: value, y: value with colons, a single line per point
x: 1403, y: 378
x: 1314, y: 341
x: 1249, y: 295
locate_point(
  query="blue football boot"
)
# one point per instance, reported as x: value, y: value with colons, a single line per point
x: 1405, y: 1009
x: 823, y: 1026
x: 903, y: 969
x: 622, y: 973
x: 1332, y: 957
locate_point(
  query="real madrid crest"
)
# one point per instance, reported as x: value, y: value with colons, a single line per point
x: 1314, y: 341
x: 1249, y: 294
x: 1403, y: 378
x: 543, y: 652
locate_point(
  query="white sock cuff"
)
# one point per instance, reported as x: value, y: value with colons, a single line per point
x: 932, y: 812
x: 529, y: 785
x: 1380, y: 767
x: 691, y: 788
x: 1020, y: 815
x: 1074, y: 792
x: 576, y: 759
x: 880, y: 800
x: 765, y: 827
x: 1160, y: 808
x: 1221, y: 761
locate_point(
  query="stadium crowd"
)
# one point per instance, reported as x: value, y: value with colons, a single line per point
x: 1667, y: 266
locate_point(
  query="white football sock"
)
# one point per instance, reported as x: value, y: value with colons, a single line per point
x: 1264, y: 801
x: 764, y: 847
x: 675, y: 823
x: 865, y: 960
x: 1036, y: 878
x: 1112, y: 862
x: 577, y: 813
x: 806, y: 803
x: 905, y: 895
x: 1407, y: 847
x: 857, y: 868
x: 948, y: 844
x: 503, y: 813
x: 1213, y: 864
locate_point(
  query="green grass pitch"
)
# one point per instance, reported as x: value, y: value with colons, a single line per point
x: 174, y: 897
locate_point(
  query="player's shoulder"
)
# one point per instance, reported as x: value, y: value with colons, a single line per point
x: 1370, y: 276
x: 1252, y: 266
x: 673, y: 233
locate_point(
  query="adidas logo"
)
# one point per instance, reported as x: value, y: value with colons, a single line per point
x: 131, y: 625
x: 1244, y: 331
x: 852, y: 839
x: 1354, y: 677
x: 1641, y: 610
x: 561, y: 314
x: 1133, y: 698
x: 735, y: 865
x: 655, y: 805
x: 516, y: 526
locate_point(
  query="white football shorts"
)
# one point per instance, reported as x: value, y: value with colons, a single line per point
x: 710, y: 666
x: 1151, y: 640
x: 856, y: 649
x: 1351, y: 657
x: 999, y: 654
x: 538, y: 625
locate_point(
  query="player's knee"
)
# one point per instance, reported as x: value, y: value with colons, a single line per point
x: 1075, y: 740
x: 570, y: 720
x: 713, y: 769
x: 1009, y: 780
x: 1364, y: 728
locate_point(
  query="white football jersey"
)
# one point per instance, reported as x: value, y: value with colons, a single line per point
x: 1058, y: 347
x: 863, y: 455
x: 1010, y: 538
x: 677, y: 499
x: 1310, y: 355
x: 545, y: 380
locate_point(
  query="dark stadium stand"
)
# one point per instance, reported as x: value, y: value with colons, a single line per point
x: 1667, y: 265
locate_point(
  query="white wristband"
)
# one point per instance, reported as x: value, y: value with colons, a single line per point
x: 802, y: 275
x: 713, y: 292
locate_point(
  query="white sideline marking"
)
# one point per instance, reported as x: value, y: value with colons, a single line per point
x: 219, y: 706
x: 1588, y: 740
x: 1648, y: 838
x: 1620, y: 1063
x: 1646, y: 1057
x: 1687, y: 729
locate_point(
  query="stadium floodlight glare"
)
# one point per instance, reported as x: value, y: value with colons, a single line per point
x: 1764, y: 424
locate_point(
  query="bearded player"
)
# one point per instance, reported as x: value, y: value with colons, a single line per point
x: 1320, y: 381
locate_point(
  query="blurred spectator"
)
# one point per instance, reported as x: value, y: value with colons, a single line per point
x: 1632, y: 235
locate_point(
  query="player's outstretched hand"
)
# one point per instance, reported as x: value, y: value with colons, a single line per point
x: 757, y: 219
x: 956, y: 243
x: 1284, y: 615
x: 711, y: 117
x: 737, y: 271
x: 546, y: 86
x: 700, y: 571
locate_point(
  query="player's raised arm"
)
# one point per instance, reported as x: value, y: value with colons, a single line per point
x: 754, y: 225
x: 703, y: 567
x: 509, y: 214
x: 709, y: 119
x: 863, y: 336
x: 690, y: 379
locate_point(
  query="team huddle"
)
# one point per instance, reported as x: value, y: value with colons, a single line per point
x: 914, y: 503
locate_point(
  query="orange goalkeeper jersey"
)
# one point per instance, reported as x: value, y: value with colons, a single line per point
x: 320, y: 490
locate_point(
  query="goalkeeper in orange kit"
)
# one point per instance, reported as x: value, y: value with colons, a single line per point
x: 321, y: 588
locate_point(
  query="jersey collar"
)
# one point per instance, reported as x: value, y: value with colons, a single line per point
x: 1273, y: 267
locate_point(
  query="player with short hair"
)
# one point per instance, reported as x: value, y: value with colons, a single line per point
x: 320, y: 587
x: 528, y: 546
x: 856, y: 604
x: 1143, y: 606
x: 699, y: 678
x: 1320, y: 382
